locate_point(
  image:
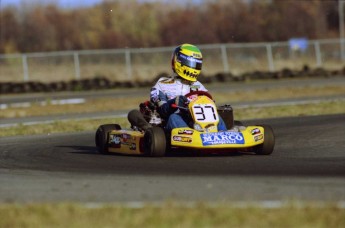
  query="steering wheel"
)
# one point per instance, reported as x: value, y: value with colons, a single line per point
x: 199, y: 93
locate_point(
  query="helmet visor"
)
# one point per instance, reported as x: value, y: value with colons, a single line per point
x: 189, y: 61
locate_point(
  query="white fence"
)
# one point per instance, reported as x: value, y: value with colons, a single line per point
x: 147, y: 63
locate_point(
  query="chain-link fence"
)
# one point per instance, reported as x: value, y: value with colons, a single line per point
x: 147, y: 63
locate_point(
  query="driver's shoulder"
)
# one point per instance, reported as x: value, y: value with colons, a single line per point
x: 198, y: 83
x: 166, y: 80
x: 198, y: 86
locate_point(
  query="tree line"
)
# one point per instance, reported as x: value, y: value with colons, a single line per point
x: 132, y: 24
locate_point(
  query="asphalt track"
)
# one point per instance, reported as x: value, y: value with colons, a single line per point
x: 308, y: 164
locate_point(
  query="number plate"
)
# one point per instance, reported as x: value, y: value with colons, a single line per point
x: 205, y: 113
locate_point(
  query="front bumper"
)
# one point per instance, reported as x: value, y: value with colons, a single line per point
x: 245, y: 138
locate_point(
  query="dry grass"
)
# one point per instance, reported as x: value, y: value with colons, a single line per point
x: 324, y: 108
x: 169, y: 215
x: 121, y: 103
x: 280, y: 93
x: 61, y: 126
x: 96, y: 105
x: 240, y: 114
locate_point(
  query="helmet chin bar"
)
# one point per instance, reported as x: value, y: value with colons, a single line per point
x: 186, y: 73
x: 183, y: 80
x: 189, y: 74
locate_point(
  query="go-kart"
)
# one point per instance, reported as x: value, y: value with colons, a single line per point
x: 147, y: 135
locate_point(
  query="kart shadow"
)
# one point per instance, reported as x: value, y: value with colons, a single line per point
x: 197, y: 153
x: 92, y: 150
x: 81, y: 149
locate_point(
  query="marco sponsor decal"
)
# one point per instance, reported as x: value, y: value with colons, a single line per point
x: 222, y: 138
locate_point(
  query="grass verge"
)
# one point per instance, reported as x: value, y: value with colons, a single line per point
x: 127, y: 103
x: 169, y: 215
x: 324, y: 108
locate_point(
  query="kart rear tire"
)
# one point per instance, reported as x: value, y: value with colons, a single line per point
x: 154, y: 142
x: 266, y: 148
x: 102, y: 136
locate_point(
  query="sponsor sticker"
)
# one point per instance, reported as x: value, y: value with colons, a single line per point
x: 127, y: 138
x: 256, y: 131
x: 222, y: 138
x: 194, y: 87
x: 185, y: 132
x: 258, y: 137
x: 196, y: 55
x: 178, y: 138
x: 191, y: 59
x: 167, y: 81
x: 133, y: 146
x: 192, y: 97
x: 115, y: 141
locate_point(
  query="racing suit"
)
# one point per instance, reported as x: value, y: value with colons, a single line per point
x: 166, y: 92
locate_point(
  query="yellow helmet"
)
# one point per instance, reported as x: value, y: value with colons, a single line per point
x: 186, y: 62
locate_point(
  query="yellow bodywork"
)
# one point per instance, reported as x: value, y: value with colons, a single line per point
x: 205, y: 134
x: 187, y: 137
x: 125, y: 142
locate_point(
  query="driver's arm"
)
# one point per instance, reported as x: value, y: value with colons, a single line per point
x: 162, y: 101
x: 165, y: 108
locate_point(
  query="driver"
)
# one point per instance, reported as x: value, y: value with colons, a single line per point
x: 186, y: 62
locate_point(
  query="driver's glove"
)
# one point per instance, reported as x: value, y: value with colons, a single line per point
x: 167, y: 108
x: 181, y: 101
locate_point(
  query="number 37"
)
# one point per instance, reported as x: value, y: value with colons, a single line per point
x: 205, y: 113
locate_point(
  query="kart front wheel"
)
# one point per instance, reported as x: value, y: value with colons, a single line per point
x: 154, y: 142
x: 101, y: 137
x: 266, y: 148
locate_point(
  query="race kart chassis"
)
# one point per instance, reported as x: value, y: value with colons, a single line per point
x: 145, y: 139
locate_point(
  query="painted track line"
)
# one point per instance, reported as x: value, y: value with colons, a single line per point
x: 266, y: 204
x: 43, y: 103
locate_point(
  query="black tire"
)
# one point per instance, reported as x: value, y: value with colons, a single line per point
x: 266, y: 148
x: 154, y: 142
x: 101, y: 137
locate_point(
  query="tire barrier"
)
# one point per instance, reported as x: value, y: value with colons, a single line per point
x: 99, y: 83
